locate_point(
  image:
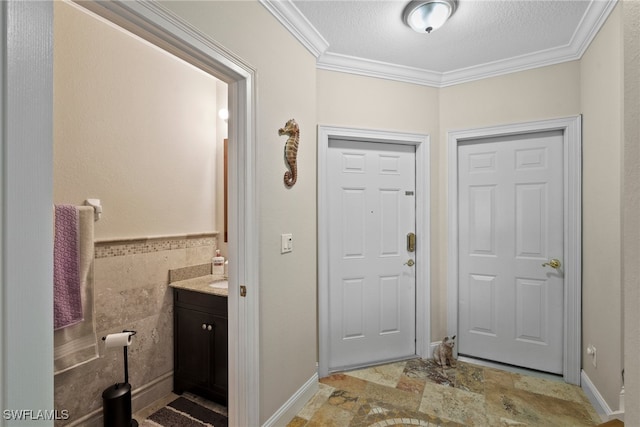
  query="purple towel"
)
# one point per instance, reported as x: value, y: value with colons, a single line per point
x: 67, y: 303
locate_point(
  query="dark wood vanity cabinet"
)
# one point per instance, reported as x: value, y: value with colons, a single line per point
x: 200, y: 346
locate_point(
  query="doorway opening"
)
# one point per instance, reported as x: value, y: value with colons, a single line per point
x: 158, y: 27
x: 569, y: 130
x: 422, y: 218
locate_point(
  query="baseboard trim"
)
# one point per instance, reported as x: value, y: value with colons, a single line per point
x: 140, y: 398
x: 295, y: 403
x: 598, y: 402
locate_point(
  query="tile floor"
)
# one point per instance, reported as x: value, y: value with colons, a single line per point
x: 420, y: 393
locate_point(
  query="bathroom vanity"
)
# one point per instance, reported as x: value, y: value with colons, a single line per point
x: 200, y: 338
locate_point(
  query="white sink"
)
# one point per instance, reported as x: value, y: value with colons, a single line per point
x: 221, y: 284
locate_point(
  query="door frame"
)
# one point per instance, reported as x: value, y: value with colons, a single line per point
x: 571, y: 128
x: 159, y: 26
x: 423, y: 240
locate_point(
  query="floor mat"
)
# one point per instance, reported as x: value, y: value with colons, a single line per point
x: 183, y: 412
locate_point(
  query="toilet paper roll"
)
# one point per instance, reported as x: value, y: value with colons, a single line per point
x: 122, y: 339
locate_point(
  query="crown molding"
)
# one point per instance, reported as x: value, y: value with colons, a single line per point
x: 367, y: 67
x: 593, y: 19
x: 511, y: 65
x: 297, y: 24
x: 286, y: 12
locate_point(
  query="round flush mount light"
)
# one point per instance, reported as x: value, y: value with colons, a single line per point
x: 425, y: 16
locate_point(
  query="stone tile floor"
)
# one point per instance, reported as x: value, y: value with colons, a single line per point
x: 420, y: 393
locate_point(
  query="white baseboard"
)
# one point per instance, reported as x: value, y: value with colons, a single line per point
x: 295, y: 403
x: 140, y: 397
x: 598, y: 402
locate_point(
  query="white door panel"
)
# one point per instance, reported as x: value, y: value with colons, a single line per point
x: 510, y: 201
x: 371, y: 291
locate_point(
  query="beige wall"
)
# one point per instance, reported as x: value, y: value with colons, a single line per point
x: 601, y: 83
x: 631, y: 204
x: 367, y: 102
x: 134, y: 127
x: 286, y: 87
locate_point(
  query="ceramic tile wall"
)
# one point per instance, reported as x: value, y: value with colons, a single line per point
x: 131, y: 292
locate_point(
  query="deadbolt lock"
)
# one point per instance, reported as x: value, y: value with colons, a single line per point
x: 411, y: 242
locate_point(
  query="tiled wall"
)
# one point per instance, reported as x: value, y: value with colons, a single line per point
x: 131, y: 292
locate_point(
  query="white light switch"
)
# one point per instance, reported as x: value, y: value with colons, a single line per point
x: 287, y: 243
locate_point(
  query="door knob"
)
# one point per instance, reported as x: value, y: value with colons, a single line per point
x: 554, y: 263
x: 410, y: 263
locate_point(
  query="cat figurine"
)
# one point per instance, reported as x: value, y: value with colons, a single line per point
x: 444, y: 352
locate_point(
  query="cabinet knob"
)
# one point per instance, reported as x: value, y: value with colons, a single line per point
x: 204, y: 326
x: 209, y: 327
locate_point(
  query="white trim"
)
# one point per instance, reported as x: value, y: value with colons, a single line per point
x: 599, y: 404
x: 151, y: 21
x: 291, y: 18
x: 294, y: 404
x: 4, y: 388
x: 26, y: 105
x: 423, y: 186
x: 366, y: 67
x: 572, y: 140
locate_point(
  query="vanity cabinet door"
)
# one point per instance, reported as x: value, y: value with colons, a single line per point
x: 191, y: 344
x: 200, y: 345
x: 218, y: 371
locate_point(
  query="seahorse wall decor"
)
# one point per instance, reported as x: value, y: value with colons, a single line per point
x: 291, y: 151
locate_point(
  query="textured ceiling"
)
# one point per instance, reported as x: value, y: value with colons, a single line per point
x: 481, y: 38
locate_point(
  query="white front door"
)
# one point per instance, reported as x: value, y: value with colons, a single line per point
x: 371, y: 197
x: 510, y: 219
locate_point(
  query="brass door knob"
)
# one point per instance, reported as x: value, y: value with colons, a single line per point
x: 554, y: 263
x: 410, y: 263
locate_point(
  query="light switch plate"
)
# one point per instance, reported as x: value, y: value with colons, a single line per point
x: 287, y: 243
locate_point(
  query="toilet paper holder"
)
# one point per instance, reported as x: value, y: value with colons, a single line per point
x: 130, y: 332
x: 117, y: 398
x: 126, y: 361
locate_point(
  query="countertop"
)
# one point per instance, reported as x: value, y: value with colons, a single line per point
x: 201, y: 284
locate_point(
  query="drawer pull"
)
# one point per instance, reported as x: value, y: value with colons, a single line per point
x: 204, y: 326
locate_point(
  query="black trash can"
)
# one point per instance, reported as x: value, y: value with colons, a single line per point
x: 116, y: 405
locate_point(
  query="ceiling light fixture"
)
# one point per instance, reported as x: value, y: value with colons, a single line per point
x: 428, y: 15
